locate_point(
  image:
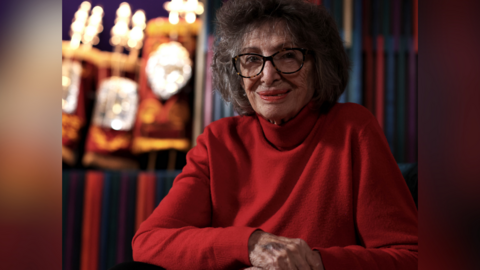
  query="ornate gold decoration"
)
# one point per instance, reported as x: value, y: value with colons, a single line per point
x: 149, y: 110
x: 109, y: 162
x: 68, y: 156
x: 71, y: 75
x: 179, y: 115
x: 116, y: 104
x: 168, y: 69
x: 121, y: 141
x: 161, y: 26
x: 142, y: 144
x: 100, y: 58
x: 71, y: 125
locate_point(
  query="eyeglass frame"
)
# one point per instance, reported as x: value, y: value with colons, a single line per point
x: 269, y: 58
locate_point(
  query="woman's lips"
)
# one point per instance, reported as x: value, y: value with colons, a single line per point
x: 273, y: 95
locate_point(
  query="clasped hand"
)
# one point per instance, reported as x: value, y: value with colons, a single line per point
x: 271, y: 252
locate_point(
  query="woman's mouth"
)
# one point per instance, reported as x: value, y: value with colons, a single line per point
x: 273, y: 95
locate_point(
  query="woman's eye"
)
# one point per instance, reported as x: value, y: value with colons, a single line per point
x: 288, y: 55
x: 253, y: 59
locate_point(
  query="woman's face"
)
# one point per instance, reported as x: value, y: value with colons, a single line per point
x: 275, y: 96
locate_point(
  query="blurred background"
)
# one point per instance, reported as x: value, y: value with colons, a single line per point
x: 103, y: 128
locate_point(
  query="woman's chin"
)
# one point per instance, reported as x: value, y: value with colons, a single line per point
x: 276, y: 118
x: 278, y: 114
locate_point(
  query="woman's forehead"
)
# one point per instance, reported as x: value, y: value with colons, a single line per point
x: 268, y: 35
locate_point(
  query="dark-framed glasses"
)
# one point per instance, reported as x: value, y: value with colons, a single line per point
x: 286, y: 61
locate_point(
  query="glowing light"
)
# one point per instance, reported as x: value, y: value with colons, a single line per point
x: 117, y: 124
x: 115, y: 40
x: 81, y: 28
x: 126, y: 104
x: 176, y: 5
x: 187, y: 69
x: 75, y: 42
x: 179, y: 80
x: 168, y: 69
x: 91, y: 30
x: 76, y: 36
x: 124, y: 10
x: 120, y: 29
x: 171, y: 87
x: 117, y: 108
x: 166, y: 6
x: 77, y: 26
x: 173, y: 76
x: 188, y: 6
x: 121, y: 33
x: 116, y: 103
x: 81, y: 15
x: 94, y: 19
x: 132, y: 43
x: 136, y: 33
x: 85, y: 5
x: 199, y: 9
x: 187, y: 9
x: 97, y: 10
x: 95, y: 40
x: 87, y: 39
x: 71, y: 75
x: 139, y: 18
x: 173, y: 17
x: 190, y: 17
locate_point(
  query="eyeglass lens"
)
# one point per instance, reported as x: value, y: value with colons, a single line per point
x: 286, y: 61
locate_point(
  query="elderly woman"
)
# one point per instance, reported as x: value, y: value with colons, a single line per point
x: 297, y: 181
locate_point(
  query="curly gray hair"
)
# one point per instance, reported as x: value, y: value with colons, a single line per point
x: 311, y: 27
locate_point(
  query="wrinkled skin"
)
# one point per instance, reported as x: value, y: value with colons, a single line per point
x: 271, y: 252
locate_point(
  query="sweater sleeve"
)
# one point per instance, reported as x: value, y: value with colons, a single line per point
x: 385, y: 213
x: 178, y: 234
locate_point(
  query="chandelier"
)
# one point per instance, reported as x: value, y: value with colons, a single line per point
x: 189, y: 9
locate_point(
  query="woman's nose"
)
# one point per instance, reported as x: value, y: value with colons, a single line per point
x: 269, y: 73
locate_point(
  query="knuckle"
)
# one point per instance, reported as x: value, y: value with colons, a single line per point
x: 302, y: 266
x: 283, y: 254
x: 291, y: 245
x: 301, y: 242
x: 294, y: 248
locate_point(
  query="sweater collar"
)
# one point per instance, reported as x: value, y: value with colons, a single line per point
x: 292, y: 133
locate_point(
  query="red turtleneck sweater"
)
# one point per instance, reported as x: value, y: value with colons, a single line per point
x: 330, y: 180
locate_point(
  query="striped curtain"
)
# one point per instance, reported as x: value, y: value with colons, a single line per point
x: 102, y: 211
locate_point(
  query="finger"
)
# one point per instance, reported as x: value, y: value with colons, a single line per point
x: 294, y: 256
x: 274, y: 246
x: 314, y: 260
x: 279, y: 257
x: 297, y: 257
x: 268, y: 237
x: 261, y: 256
x: 282, y: 260
x: 297, y: 250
